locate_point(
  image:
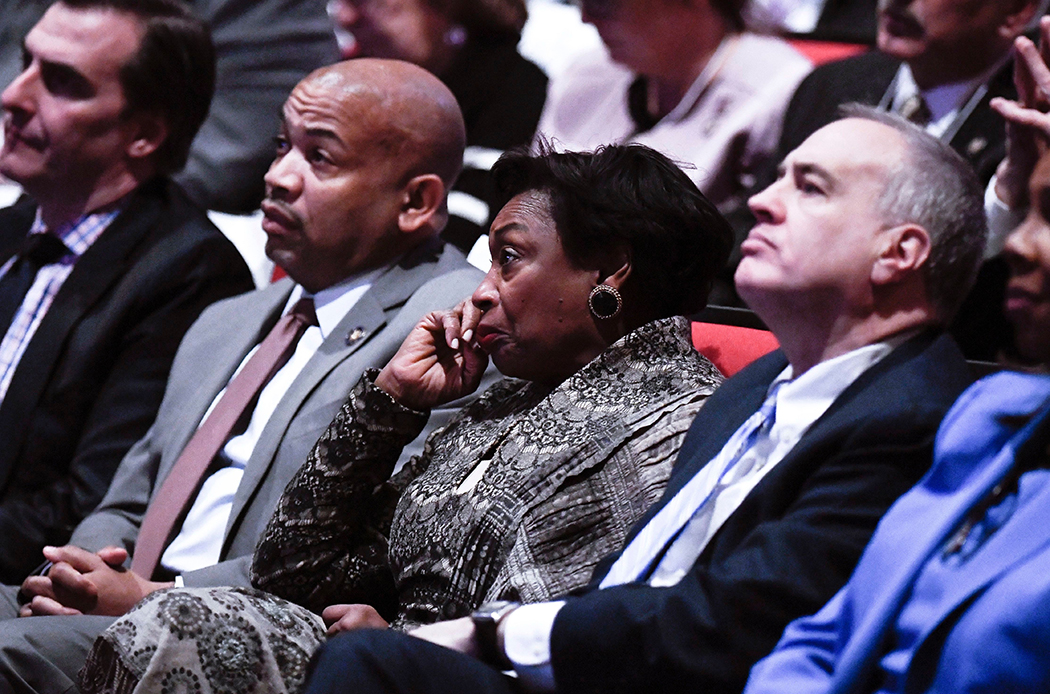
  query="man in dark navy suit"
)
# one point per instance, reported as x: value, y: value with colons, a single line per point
x: 856, y: 266
x: 105, y: 263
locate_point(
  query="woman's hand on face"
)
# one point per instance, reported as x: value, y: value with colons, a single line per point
x: 438, y: 361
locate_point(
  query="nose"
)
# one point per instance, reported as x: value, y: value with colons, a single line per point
x: 17, y: 98
x: 1019, y: 250
x: 486, y: 295
x: 283, y: 181
x: 767, y: 205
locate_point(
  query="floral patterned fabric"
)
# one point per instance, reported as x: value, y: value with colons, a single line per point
x: 205, y: 641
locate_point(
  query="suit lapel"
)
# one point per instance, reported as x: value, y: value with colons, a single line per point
x: 922, y: 520
x: 1023, y: 534
x: 101, y: 266
x: 226, y: 350
x: 361, y: 323
x: 982, y: 135
x: 719, y: 418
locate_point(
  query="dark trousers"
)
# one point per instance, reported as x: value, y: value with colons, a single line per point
x: 383, y: 660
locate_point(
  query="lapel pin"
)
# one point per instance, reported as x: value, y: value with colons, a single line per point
x: 355, y: 335
x: 976, y: 146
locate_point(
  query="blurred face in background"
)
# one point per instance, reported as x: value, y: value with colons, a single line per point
x: 647, y: 36
x: 409, y: 30
x: 1027, y: 253
x: 65, y: 127
x: 955, y: 36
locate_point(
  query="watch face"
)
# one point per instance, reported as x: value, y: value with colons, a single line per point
x: 492, y: 610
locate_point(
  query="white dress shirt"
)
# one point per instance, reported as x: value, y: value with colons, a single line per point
x: 800, y: 402
x: 199, y: 542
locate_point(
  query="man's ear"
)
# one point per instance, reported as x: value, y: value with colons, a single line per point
x: 422, y: 204
x: 905, y: 249
x: 148, y: 133
x: 1019, y: 15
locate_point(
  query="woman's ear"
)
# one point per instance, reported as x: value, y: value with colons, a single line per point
x: 906, y: 249
x: 616, y: 268
x: 423, y: 203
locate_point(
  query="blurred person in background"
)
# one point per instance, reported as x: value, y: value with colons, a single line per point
x: 471, y: 45
x: 685, y: 78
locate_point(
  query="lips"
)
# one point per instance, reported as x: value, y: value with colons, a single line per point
x: 488, y: 338
x: 278, y: 218
x: 14, y: 136
x: 1020, y: 300
x: 900, y: 24
x: 754, y: 243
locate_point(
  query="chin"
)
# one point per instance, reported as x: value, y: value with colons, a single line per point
x: 1033, y: 342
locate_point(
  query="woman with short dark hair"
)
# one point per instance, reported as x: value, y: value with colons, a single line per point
x: 594, y: 258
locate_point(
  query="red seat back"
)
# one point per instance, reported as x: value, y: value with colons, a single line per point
x: 730, y: 347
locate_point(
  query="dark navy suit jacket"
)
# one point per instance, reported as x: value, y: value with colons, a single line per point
x: 91, y: 379
x: 785, y: 551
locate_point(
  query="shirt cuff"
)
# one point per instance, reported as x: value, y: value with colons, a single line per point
x: 527, y: 643
x: 1001, y: 220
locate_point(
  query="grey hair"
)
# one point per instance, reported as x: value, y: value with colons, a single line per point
x: 937, y: 189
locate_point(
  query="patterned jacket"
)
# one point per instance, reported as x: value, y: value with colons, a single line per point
x: 517, y: 498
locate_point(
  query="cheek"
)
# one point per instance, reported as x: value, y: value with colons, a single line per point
x: 1032, y: 333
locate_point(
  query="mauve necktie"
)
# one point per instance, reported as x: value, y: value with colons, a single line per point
x: 37, y: 251
x: 640, y: 557
x: 186, y: 475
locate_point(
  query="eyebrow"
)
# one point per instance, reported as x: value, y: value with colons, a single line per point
x: 807, y: 169
x: 508, y: 228
x: 324, y: 133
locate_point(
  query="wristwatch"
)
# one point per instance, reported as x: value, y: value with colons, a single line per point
x: 486, y: 623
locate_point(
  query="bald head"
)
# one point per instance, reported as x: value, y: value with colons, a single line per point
x: 408, y: 112
x: 367, y: 152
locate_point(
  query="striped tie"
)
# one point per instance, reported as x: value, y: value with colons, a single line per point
x: 641, y: 556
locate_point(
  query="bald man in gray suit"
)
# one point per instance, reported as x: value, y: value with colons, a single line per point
x: 355, y: 200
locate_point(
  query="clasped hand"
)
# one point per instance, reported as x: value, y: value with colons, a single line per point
x: 81, y: 582
x: 438, y: 361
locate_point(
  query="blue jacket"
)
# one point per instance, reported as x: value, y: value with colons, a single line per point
x: 990, y: 631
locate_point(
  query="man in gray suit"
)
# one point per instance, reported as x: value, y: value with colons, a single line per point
x: 355, y: 200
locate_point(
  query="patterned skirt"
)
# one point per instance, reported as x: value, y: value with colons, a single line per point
x: 205, y: 641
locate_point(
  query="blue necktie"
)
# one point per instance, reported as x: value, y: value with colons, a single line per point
x: 640, y: 557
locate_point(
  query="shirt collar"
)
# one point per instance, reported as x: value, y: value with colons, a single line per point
x: 942, y: 99
x: 333, y: 303
x: 801, y: 401
x: 79, y: 234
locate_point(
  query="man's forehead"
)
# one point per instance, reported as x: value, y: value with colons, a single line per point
x: 87, y: 39
x: 338, y: 106
x: 850, y: 147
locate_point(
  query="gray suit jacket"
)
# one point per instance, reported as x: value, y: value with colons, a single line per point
x: 429, y: 279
